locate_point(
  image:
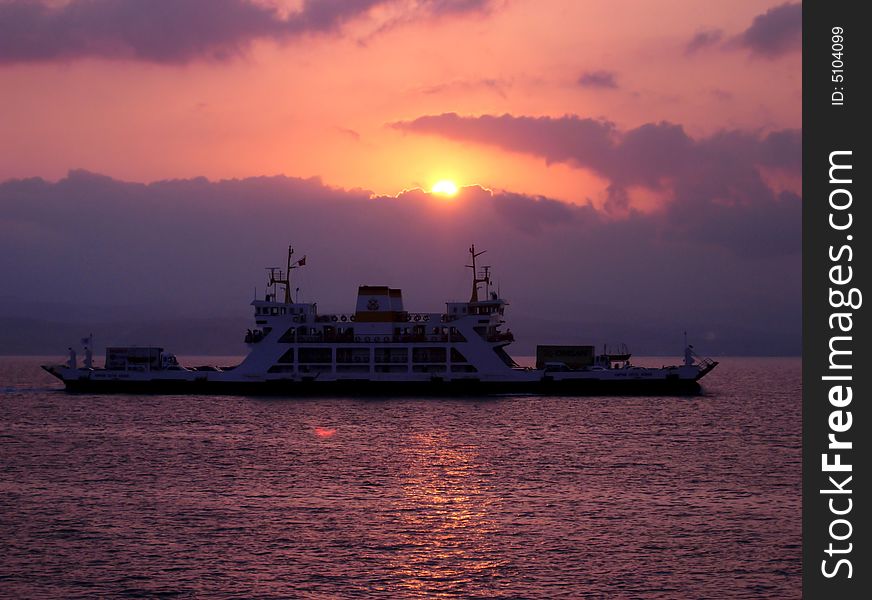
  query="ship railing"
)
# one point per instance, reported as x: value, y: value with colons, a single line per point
x: 407, y: 317
x: 703, y: 363
x: 377, y: 338
x: 421, y: 338
x: 323, y: 338
x: 506, y: 336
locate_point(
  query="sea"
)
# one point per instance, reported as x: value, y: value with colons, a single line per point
x: 124, y: 496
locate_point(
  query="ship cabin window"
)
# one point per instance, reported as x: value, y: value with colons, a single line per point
x: 289, y: 336
x: 287, y: 357
x: 316, y: 355
x: 283, y: 310
x: 391, y: 355
x: 275, y: 310
x: 345, y: 333
x: 463, y: 369
x: 352, y: 355
x: 428, y: 355
x: 457, y: 357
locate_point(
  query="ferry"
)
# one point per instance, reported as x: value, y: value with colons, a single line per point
x: 382, y: 349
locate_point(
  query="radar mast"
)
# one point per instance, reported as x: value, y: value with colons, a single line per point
x: 475, y: 278
x: 283, y: 278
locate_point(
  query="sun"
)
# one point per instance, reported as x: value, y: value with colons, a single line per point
x: 444, y: 187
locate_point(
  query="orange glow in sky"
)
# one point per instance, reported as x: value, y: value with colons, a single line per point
x: 325, y: 103
x: 444, y: 187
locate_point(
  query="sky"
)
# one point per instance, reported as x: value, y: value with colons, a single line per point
x: 626, y: 163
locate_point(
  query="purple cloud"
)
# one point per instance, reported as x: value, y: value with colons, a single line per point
x: 569, y: 138
x: 702, y: 176
x: 176, y: 31
x: 775, y: 32
x: 191, y: 248
x: 703, y: 39
x: 598, y: 79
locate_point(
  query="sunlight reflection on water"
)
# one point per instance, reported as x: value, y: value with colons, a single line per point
x: 106, y: 496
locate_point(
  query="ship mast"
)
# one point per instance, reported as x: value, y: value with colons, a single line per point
x: 487, y: 281
x: 276, y: 276
x: 475, y: 279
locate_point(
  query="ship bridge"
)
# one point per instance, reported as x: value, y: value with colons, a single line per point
x: 379, y: 304
x: 380, y: 336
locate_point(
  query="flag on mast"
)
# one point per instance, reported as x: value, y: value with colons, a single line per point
x: 302, y: 261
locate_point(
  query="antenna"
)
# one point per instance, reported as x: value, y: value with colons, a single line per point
x: 487, y: 281
x: 276, y: 276
x: 475, y: 279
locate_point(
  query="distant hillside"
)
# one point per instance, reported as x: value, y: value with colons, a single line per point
x: 219, y: 336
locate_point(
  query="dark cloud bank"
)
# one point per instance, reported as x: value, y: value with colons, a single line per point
x: 774, y: 33
x: 178, y: 31
x: 718, y: 193
x: 176, y: 262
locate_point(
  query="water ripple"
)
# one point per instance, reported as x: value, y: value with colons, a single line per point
x: 513, y: 497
